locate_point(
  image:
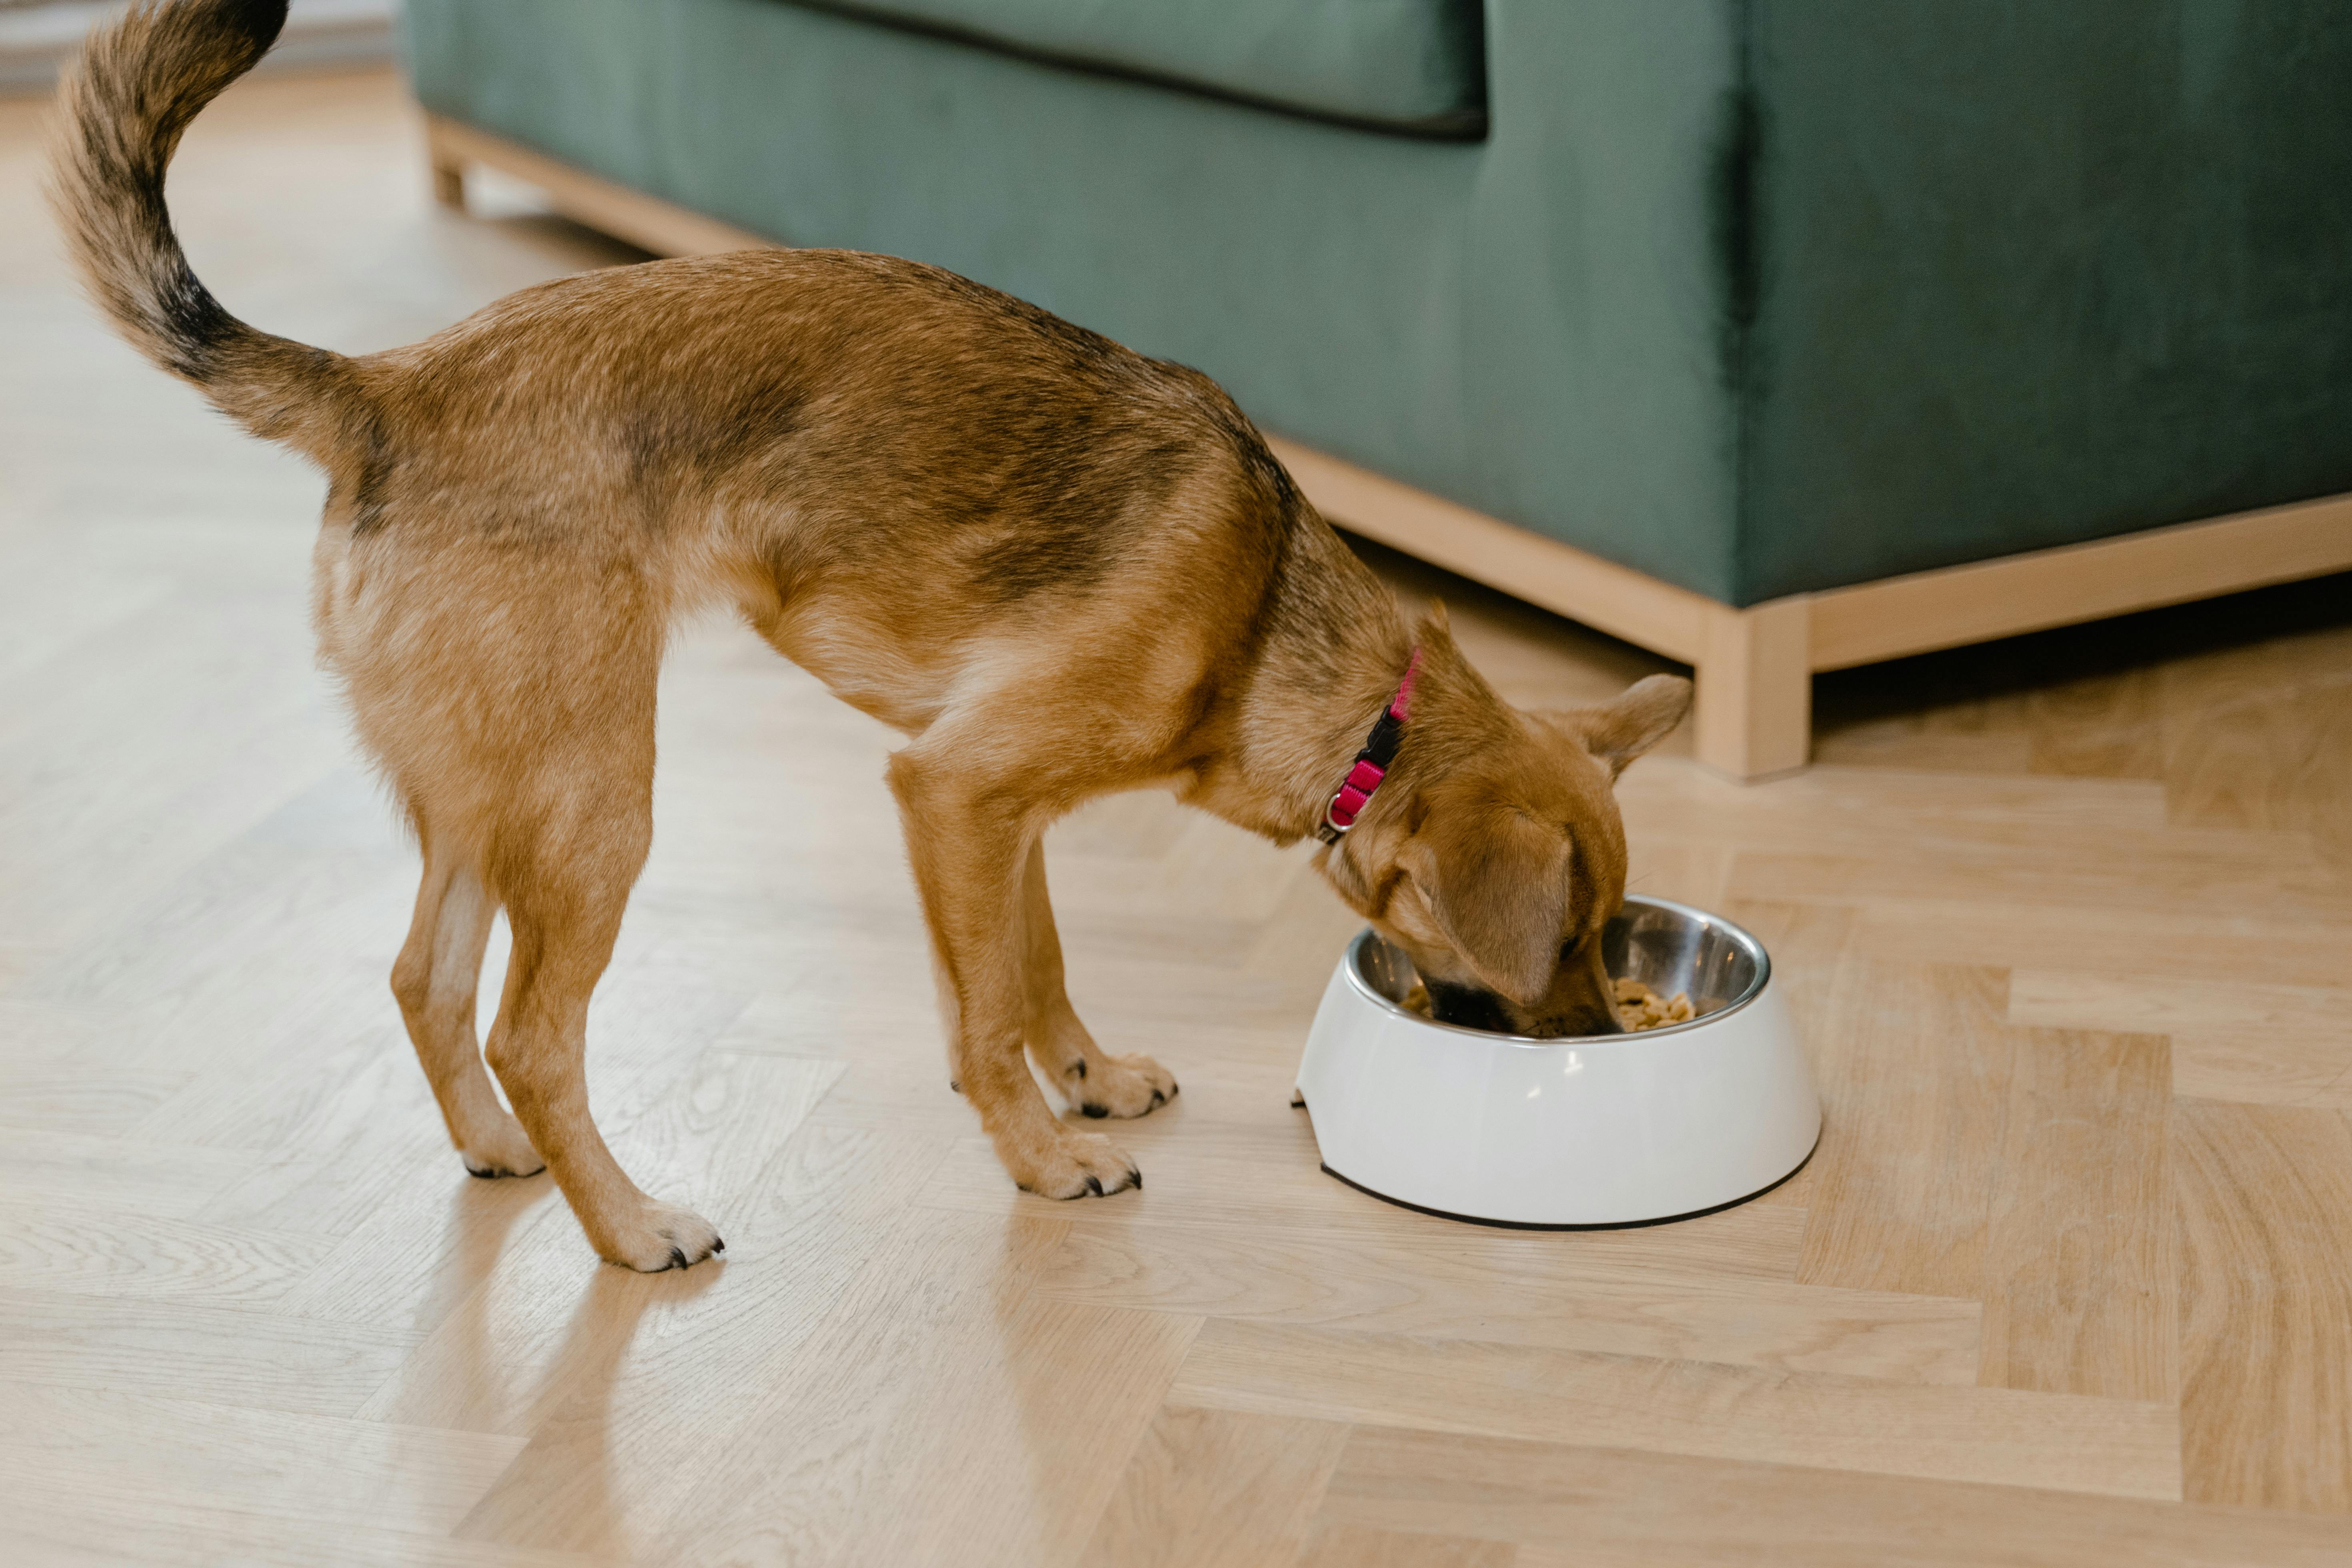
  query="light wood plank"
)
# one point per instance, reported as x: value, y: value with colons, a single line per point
x: 533, y: 1339
x: 1914, y: 1074
x: 115, y: 1175
x: 208, y: 1355
x: 2265, y: 1306
x: 938, y: 1413
x: 2231, y: 1040
x: 2271, y: 752
x: 1357, y: 1546
x: 2102, y: 726
x: 2171, y: 875
x: 309, y: 1468
x: 97, y: 1527
x: 2079, y: 1272
x: 2123, y: 1448
x: 1602, y: 1508
x: 2177, y: 1005
x: 1549, y: 1292
x: 74, y: 1251
x: 2015, y: 933
x: 71, y: 1092
x: 1211, y: 1488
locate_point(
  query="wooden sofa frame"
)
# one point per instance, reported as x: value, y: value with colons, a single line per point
x: 1754, y: 666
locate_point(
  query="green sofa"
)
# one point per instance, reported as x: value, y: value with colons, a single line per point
x: 1748, y: 304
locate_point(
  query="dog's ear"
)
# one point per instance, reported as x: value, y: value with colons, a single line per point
x: 1642, y: 716
x: 1495, y: 882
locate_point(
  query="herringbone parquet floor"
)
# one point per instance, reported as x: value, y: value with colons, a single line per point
x: 2068, y: 924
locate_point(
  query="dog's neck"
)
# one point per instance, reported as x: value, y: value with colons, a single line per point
x: 1332, y: 650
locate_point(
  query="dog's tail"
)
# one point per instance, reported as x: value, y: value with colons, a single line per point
x: 122, y: 108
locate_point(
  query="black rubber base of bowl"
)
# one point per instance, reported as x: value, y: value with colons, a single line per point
x: 1618, y: 1225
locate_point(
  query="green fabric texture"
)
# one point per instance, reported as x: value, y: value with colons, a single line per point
x: 1417, y: 65
x: 2031, y: 273
x: 1755, y: 295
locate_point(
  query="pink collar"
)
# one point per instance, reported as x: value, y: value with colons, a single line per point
x: 1373, y: 763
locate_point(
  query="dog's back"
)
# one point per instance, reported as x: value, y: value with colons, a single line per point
x: 875, y: 461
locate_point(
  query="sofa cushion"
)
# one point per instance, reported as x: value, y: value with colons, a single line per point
x: 1402, y: 64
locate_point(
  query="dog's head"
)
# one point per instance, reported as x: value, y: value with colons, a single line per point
x: 1499, y: 864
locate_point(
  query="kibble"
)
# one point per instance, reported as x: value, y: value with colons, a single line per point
x: 1639, y: 1007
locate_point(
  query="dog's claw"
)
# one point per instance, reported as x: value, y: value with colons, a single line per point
x: 1094, y: 1186
x: 677, y: 1257
x: 1158, y: 1100
x: 1096, y: 1112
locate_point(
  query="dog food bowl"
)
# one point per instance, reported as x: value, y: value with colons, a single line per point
x: 1598, y: 1130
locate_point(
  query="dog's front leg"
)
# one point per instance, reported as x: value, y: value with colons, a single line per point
x: 1093, y: 1082
x: 969, y: 841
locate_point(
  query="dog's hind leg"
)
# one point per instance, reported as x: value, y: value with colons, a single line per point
x: 564, y: 863
x: 968, y: 843
x: 1093, y: 1083
x: 435, y: 980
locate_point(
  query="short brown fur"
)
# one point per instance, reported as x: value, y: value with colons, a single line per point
x: 1059, y: 568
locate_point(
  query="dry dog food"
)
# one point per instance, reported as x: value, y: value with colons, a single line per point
x: 1639, y: 1007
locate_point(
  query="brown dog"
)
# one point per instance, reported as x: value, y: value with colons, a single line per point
x: 1059, y: 568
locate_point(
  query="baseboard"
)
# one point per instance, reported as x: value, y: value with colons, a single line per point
x: 1896, y: 617
x: 649, y: 222
x: 1754, y: 665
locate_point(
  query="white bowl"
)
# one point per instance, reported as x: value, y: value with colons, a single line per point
x: 1614, y: 1130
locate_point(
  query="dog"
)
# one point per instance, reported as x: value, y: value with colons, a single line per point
x: 1059, y: 568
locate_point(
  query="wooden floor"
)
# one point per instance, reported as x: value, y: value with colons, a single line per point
x: 2068, y: 925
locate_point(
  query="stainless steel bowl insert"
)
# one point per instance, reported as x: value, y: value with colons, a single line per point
x: 1667, y: 946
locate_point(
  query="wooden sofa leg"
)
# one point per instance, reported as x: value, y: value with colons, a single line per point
x: 1756, y: 690
x: 449, y: 186
x: 448, y: 167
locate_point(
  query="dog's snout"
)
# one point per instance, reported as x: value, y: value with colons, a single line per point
x: 1469, y: 1007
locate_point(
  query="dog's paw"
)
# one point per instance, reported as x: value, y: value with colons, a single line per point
x: 660, y: 1236
x: 1118, y: 1086
x: 504, y: 1150
x: 1075, y: 1165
